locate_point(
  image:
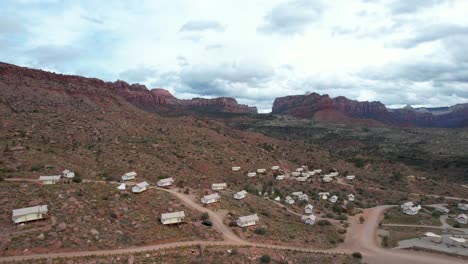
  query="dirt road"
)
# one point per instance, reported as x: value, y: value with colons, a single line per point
x: 359, y: 238
x: 216, y: 218
x: 363, y: 238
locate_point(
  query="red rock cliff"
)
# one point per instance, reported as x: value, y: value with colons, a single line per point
x: 160, y: 100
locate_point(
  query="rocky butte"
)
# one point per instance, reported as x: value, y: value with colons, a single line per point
x: 343, y: 110
x: 162, y: 101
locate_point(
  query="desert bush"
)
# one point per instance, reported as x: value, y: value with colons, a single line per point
x: 357, y: 255
x: 265, y: 259
x: 204, y: 216
x: 323, y: 222
x: 260, y: 231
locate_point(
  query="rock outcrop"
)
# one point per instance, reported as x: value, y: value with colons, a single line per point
x: 341, y: 109
x: 162, y: 101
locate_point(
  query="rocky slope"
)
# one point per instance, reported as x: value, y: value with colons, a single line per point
x: 51, y: 121
x: 162, y: 101
x: 343, y: 110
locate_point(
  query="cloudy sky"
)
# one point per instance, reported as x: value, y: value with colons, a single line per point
x: 395, y: 51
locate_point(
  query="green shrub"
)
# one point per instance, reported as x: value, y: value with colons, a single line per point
x: 77, y: 179
x: 323, y: 222
x: 260, y: 231
x: 205, y: 216
x: 265, y: 259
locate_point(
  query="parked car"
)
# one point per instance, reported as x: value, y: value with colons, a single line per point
x: 207, y: 223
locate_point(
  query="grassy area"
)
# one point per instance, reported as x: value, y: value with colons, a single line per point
x: 219, y: 255
x: 424, y: 217
x: 396, y: 234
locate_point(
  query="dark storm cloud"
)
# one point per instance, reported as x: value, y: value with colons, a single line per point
x: 412, y: 6
x: 201, y: 25
x: 223, y: 80
x: 138, y: 75
x: 291, y: 17
x: 417, y: 71
x: 55, y: 57
x: 433, y: 33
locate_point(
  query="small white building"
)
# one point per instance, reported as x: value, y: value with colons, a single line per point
x: 289, y: 200
x: 129, y: 176
x: 251, y: 174
x: 301, y: 179
x: 309, y: 219
x: 463, y: 206
x: 29, y: 214
x: 240, y: 195
x: 275, y: 168
x: 210, y: 198
x: 300, y: 169
x: 456, y: 241
x: 280, y: 177
x: 414, y: 210
x: 351, y: 197
x: 303, y: 197
x: 308, y: 209
x: 333, y: 174
x: 305, y: 174
x: 236, y: 168
x: 140, y: 187
x: 406, y: 205
x: 68, y: 174
x: 122, y: 187
x: 46, y: 180
x: 350, y: 177
x: 218, y: 186
x: 165, y: 182
x: 295, y: 174
x: 317, y: 171
x: 248, y: 220
x: 324, y: 195
x: 433, y: 237
x: 333, y: 199
x: 172, y: 218
x: 327, y: 179
x: 296, y: 193
x: 278, y: 198
x: 261, y: 171
x: 462, y: 219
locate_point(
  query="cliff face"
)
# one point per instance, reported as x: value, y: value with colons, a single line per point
x: 160, y: 100
x: 337, y: 109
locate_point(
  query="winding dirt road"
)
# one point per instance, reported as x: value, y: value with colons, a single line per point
x: 359, y: 238
x: 363, y: 238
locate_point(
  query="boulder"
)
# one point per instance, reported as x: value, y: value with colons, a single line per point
x: 61, y: 227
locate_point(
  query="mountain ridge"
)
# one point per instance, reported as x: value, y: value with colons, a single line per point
x: 311, y: 105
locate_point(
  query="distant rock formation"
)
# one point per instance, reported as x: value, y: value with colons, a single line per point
x: 162, y: 101
x: 343, y: 110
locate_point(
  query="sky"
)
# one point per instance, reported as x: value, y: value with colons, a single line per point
x: 399, y: 52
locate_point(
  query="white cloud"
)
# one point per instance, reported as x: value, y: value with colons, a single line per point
x: 395, y: 52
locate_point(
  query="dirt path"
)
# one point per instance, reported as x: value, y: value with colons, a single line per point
x: 216, y: 218
x: 359, y: 238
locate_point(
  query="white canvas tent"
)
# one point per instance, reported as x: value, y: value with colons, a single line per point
x: 29, y: 214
